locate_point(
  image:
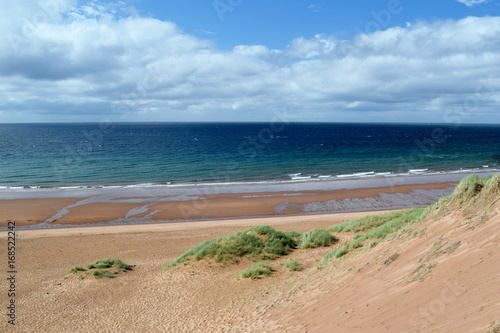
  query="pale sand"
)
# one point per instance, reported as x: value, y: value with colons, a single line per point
x: 461, y: 293
x: 154, y: 208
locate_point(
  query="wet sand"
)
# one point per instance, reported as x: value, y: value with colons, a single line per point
x: 119, y: 209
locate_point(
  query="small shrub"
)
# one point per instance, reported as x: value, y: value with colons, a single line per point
x: 293, y: 266
x: 256, y: 270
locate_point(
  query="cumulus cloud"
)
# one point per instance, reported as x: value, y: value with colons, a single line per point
x: 64, y: 62
x: 472, y: 3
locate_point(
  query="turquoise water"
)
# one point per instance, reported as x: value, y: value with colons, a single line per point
x: 90, y: 155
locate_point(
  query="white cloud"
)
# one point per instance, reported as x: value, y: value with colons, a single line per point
x: 471, y: 3
x: 94, y: 61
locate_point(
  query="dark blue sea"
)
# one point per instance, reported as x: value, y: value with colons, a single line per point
x: 118, y: 154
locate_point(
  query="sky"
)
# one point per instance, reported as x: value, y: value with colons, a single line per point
x: 416, y: 61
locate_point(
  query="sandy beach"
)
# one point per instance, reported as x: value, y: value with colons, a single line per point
x: 116, y: 209
x: 206, y: 298
x: 434, y: 275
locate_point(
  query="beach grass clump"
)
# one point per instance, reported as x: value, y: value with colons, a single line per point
x: 316, y: 238
x: 472, y: 192
x: 334, y: 254
x: 257, y: 270
x: 393, y: 223
x: 468, y: 188
x: 256, y: 243
x: 100, y: 273
x: 108, y: 263
x: 101, y: 268
x: 294, y: 266
x: 365, y: 223
x: 77, y: 269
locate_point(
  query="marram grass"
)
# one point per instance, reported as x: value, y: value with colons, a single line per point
x: 257, y: 270
x: 101, y: 268
x: 262, y: 243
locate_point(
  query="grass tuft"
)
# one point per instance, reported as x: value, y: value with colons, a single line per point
x: 100, y: 273
x: 256, y: 243
x: 316, y: 238
x: 294, y: 266
x: 379, y: 227
x: 107, y: 263
x: 77, y: 269
x: 468, y: 188
x: 102, y: 268
x: 257, y: 270
x: 365, y: 223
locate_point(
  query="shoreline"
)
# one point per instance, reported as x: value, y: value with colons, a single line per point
x: 357, y: 180
x: 116, y: 209
x: 100, y: 207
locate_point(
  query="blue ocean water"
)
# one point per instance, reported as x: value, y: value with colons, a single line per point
x: 88, y: 155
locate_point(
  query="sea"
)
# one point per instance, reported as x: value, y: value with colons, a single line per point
x: 95, y: 155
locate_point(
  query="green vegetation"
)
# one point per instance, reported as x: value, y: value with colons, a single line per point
x: 294, y: 266
x: 101, y: 268
x: 256, y: 243
x: 472, y: 188
x: 77, y: 269
x: 104, y: 273
x: 108, y: 263
x: 367, y: 222
x: 256, y: 270
x: 263, y: 243
x: 381, y: 227
x: 468, y: 188
x: 316, y: 238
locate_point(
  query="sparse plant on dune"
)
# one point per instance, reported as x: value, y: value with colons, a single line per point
x: 257, y: 270
x: 316, y: 238
x: 101, y: 268
x: 294, y: 266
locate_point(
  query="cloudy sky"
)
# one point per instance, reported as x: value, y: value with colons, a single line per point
x: 250, y: 60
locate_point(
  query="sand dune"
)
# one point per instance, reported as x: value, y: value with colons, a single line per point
x: 444, y: 278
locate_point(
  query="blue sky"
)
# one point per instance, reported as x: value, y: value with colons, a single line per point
x: 276, y: 23
x: 243, y: 60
